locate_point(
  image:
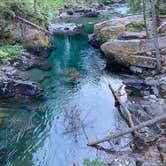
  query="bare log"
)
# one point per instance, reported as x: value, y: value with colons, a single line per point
x: 128, y: 130
x: 32, y: 24
x: 123, y: 108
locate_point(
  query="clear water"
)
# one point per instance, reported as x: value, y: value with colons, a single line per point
x: 77, y: 107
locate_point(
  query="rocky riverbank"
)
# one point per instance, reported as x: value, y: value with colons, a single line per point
x: 124, y: 44
x: 37, y: 48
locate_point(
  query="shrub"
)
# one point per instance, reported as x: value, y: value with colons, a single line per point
x: 10, y: 52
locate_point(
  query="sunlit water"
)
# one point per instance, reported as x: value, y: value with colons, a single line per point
x: 77, y: 107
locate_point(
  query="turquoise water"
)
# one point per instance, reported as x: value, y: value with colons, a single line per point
x: 77, y: 107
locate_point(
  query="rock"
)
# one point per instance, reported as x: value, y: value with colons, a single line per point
x: 70, y: 12
x: 86, y: 11
x: 65, y: 28
x: 131, y: 35
x: 162, y: 149
x: 29, y: 61
x: 110, y: 29
x: 26, y: 35
x: 124, y: 161
x: 136, y: 70
x: 151, y: 157
x: 12, y: 85
x: 162, y: 85
x: 42, y: 78
x: 162, y: 28
x: 131, y: 52
x: 94, y: 42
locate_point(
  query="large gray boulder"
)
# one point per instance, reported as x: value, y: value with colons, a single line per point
x: 110, y: 29
x: 133, y: 52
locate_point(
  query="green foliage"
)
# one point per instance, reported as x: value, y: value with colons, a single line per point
x: 135, y: 5
x: 9, y: 52
x: 88, y: 162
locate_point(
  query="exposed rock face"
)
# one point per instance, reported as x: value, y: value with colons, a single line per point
x: 87, y: 12
x: 12, y: 84
x: 24, y: 34
x: 124, y: 161
x: 29, y: 61
x: 112, y: 28
x: 65, y: 28
x: 133, y: 52
x: 162, y: 28
x: 80, y: 12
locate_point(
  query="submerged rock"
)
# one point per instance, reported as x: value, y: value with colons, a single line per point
x: 65, y: 28
x: 70, y: 75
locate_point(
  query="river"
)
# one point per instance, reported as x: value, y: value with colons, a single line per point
x: 77, y: 107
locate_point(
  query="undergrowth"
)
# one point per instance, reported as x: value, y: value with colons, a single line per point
x: 10, y: 52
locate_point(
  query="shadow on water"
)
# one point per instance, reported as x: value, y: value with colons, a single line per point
x: 77, y: 107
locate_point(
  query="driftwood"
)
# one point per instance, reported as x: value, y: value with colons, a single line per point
x: 123, y: 108
x: 129, y: 130
x: 32, y: 24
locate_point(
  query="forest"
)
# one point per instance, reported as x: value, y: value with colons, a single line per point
x: 82, y: 82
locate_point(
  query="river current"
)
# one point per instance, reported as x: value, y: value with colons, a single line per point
x: 77, y: 107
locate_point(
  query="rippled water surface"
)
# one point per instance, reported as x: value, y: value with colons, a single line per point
x: 77, y: 107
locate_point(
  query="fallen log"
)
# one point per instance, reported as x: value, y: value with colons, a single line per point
x: 123, y: 108
x: 32, y: 24
x: 128, y: 130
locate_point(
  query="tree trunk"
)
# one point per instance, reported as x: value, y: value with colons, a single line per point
x: 145, y: 19
x: 155, y: 36
x: 129, y: 130
x: 35, y: 6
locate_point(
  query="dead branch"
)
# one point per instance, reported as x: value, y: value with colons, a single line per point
x: 123, y: 108
x: 129, y: 130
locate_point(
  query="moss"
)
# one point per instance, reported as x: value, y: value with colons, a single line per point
x: 136, y: 26
x: 40, y: 40
x: 133, y: 29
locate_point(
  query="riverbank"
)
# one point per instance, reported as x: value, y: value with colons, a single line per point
x: 124, y: 44
x: 22, y: 47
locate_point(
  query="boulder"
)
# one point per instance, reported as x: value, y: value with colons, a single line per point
x: 124, y: 160
x: 111, y: 28
x: 65, y: 28
x: 12, y: 84
x: 86, y: 11
x: 29, y: 61
x: 132, y: 52
x: 29, y: 37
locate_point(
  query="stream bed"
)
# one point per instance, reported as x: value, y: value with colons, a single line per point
x: 77, y: 107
